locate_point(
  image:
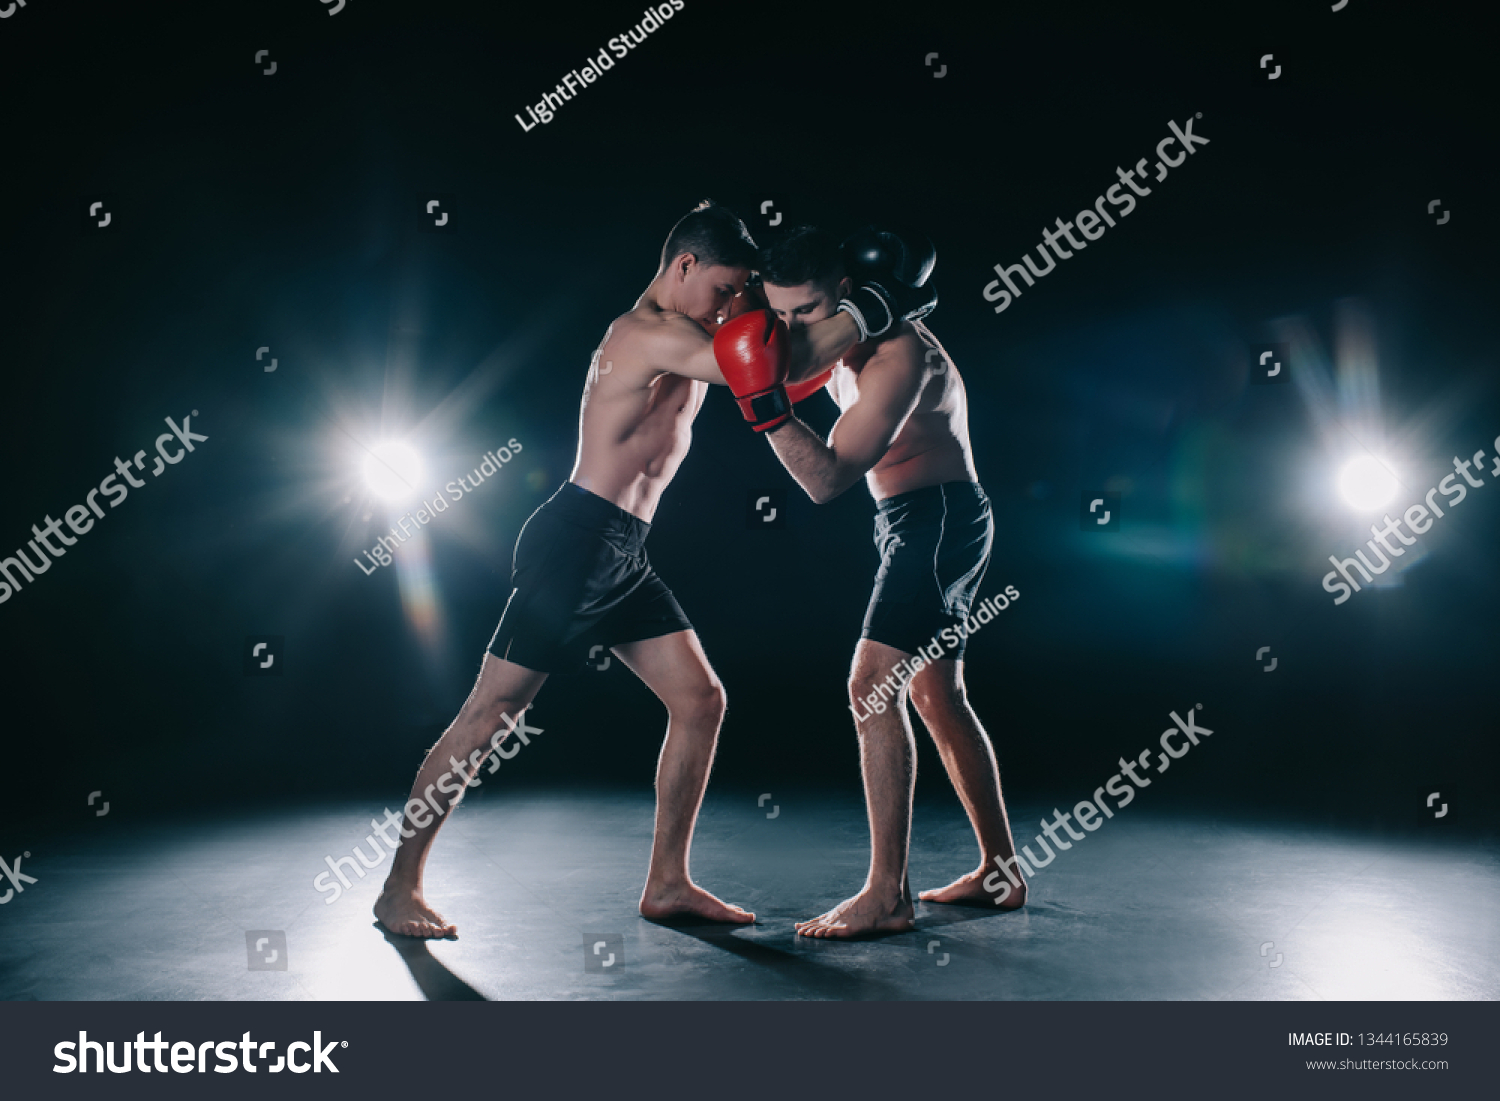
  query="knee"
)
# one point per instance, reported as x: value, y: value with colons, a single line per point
x: 867, y: 685
x: 936, y: 696
x: 495, y: 720
x: 702, y: 704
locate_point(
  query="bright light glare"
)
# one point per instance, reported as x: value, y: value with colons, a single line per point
x: 393, y: 470
x: 1367, y: 483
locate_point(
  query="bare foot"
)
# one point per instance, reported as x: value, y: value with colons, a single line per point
x: 687, y: 901
x: 861, y: 916
x: 970, y: 889
x: 406, y: 913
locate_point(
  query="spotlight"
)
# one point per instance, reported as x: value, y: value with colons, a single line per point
x: 1367, y: 483
x: 393, y: 470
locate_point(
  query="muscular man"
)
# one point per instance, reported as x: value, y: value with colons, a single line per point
x: 904, y: 429
x: 581, y: 577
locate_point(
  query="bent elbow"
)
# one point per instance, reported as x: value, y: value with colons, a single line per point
x: 822, y: 494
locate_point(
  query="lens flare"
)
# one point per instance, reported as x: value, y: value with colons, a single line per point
x: 1367, y: 483
x: 393, y: 470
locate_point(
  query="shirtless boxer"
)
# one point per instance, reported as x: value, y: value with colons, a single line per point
x: 904, y: 429
x: 581, y: 577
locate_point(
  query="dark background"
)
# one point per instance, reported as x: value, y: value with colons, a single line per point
x: 283, y: 211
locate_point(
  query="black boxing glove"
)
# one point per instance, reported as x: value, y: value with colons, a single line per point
x: 890, y: 278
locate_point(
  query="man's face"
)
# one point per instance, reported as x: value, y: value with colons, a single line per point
x: 704, y: 291
x: 747, y: 300
x: 802, y: 305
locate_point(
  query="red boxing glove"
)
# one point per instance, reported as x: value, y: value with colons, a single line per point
x: 796, y: 391
x: 752, y: 354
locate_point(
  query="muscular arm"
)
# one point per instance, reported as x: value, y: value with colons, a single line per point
x: 818, y: 346
x: 680, y: 345
x: 889, y: 386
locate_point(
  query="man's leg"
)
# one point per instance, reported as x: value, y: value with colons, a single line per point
x: 503, y: 689
x: 943, y: 703
x: 888, y: 760
x: 674, y: 667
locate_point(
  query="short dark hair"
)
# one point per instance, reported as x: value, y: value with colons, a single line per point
x: 713, y: 235
x: 803, y: 255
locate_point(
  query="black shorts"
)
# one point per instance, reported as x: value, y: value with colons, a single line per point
x: 934, y: 546
x: 580, y: 580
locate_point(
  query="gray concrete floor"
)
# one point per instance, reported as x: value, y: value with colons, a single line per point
x: 1146, y: 908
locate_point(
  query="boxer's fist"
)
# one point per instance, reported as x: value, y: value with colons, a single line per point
x: 871, y: 253
x: 890, y: 277
x: 752, y: 354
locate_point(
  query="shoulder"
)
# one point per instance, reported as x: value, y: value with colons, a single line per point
x: 628, y: 327
x: 647, y: 327
x: 648, y: 341
x: 647, y: 336
x: 904, y: 353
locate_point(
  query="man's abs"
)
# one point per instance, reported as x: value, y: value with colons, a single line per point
x: 634, y: 431
x: 933, y: 446
x: 926, y: 457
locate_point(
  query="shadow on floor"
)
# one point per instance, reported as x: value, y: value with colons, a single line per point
x: 436, y: 982
x: 816, y: 978
x: 936, y: 915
